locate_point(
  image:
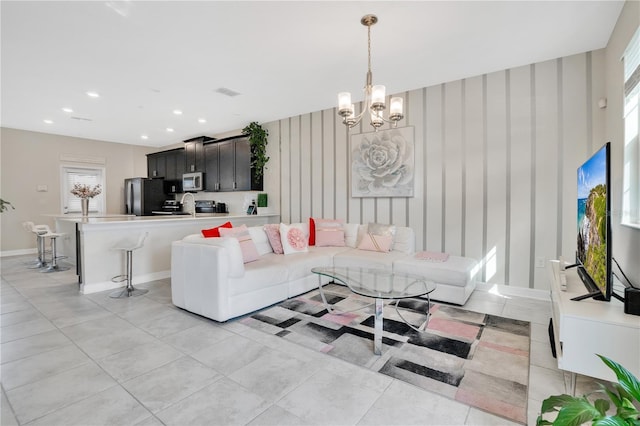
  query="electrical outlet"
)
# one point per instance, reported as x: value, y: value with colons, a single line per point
x: 539, y: 262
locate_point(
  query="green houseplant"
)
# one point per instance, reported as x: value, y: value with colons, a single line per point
x: 4, y: 205
x: 262, y: 200
x: 574, y: 410
x: 258, y: 143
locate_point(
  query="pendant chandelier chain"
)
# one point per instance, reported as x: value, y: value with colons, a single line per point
x: 369, y: 49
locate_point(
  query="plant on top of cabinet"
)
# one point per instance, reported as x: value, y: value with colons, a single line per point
x: 258, y: 142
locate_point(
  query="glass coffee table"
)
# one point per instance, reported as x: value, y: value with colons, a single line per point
x: 380, y: 285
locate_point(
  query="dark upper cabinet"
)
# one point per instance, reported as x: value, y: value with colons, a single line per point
x: 243, y: 165
x: 156, y: 165
x: 211, y: 167
x: 175, y: 165
x: 169, y: 165
x: 194, y: 154
x: 181, y: 166
x: 228, y: 165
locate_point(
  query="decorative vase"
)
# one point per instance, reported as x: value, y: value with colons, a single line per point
x: 84, y: 204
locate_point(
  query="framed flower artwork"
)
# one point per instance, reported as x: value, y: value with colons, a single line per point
x: 383, y: 163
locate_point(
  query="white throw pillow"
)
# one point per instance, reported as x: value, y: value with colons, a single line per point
x: 259, y: 237
x: 294, y: 238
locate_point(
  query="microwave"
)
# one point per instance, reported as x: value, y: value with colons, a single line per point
x: 192, y: 182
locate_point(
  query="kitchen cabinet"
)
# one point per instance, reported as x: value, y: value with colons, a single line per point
x: 211, y: 169
x: 175, y: 168
x: 228, y: 165
x: 156, y: 164
x: 194, y: 154
x: 169, y: 165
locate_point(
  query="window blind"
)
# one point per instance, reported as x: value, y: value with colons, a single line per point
x: 90, y: 177
x: 631, y: 60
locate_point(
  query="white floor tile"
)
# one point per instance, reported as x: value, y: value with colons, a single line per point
x: 328, y: 399
x: 113, y: 406
x: 69, y: 358
x: 221, y: 403
x: 39, y: 398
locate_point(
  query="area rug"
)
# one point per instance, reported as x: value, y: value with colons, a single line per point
x: 477, y: 359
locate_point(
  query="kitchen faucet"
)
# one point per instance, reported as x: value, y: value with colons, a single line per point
x: 193, y: 212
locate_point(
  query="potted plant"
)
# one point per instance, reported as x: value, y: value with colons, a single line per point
x: 574, y: 410
x: 258, y: 143
x: 4, y: 205
x: 262, y: 203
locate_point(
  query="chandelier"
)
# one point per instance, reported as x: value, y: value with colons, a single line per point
x: 374, y: 96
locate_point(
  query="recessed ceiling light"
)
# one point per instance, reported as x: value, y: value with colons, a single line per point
x: 48, y: 121
x: 169, y: 129
x: 201, y: 120
x: 93, y: 94
x: 145, y: 137
x: 177, y: 112
x: 67, y: 109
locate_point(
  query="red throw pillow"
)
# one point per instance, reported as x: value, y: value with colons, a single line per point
x: 312, y: 232
x: 215, y: 232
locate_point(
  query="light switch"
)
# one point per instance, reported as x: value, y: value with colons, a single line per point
x: 42, y: 188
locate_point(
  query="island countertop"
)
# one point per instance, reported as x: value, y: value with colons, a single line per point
x: 89, y: 240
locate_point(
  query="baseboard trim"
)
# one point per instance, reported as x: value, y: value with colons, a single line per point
x: 110, y: 285
x: 508, y: 290
x: 21, y: 252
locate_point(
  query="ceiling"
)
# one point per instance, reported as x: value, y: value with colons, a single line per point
x: 147, y: 59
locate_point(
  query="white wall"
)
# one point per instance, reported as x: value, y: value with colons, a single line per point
x: 29, y: 159
x: 495, y: 155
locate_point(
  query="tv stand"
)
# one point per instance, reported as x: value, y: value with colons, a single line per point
x: 583, y: 329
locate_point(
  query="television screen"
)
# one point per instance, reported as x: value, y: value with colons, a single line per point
x: 593, y: 251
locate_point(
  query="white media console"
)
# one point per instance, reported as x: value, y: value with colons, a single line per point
x: 588, y: 327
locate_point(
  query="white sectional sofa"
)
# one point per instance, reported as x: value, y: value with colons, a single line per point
x: 209, y: 278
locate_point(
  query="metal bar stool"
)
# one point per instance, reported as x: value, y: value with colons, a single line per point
x: 39, y: 231
x: 53, y: 266
x: 129, y: 290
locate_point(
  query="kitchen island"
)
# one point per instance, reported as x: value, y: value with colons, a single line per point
x: 89, y: 242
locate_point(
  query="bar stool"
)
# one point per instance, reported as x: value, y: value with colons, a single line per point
x: 53, y: 266
x: 129, y: 290
x: 39, y: 231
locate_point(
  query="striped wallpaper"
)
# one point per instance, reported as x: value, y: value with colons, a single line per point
x: 495, y: 165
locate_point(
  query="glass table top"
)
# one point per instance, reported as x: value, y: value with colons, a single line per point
x: 378, y: 283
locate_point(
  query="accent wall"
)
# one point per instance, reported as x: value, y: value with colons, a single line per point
x: 495, y: 166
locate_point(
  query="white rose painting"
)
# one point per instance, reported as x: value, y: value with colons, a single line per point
x: 382, y: 163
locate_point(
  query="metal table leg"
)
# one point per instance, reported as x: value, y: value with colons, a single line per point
x: 377, y: 328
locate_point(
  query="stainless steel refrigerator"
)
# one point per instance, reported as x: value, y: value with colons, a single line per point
x: 143, y: 195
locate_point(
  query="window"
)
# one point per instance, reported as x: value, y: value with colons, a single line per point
x: 83, y: 176
x: 631, y: 166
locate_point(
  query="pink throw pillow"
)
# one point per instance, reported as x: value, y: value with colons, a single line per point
x: 329, y: 233
x: 273, y: 234
x: 294, y: 239
x: 380, y: 243
x: 248, y: 248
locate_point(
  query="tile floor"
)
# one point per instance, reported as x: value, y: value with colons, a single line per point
x: 71, y: 359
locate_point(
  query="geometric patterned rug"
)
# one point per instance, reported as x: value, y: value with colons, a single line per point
x: 477, y: 359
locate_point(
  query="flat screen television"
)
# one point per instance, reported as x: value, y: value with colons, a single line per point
x: 593, y: 254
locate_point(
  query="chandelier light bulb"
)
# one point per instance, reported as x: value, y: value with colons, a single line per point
x: 344, y: 103
x: 377, y: 97
x: 395, y: 109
